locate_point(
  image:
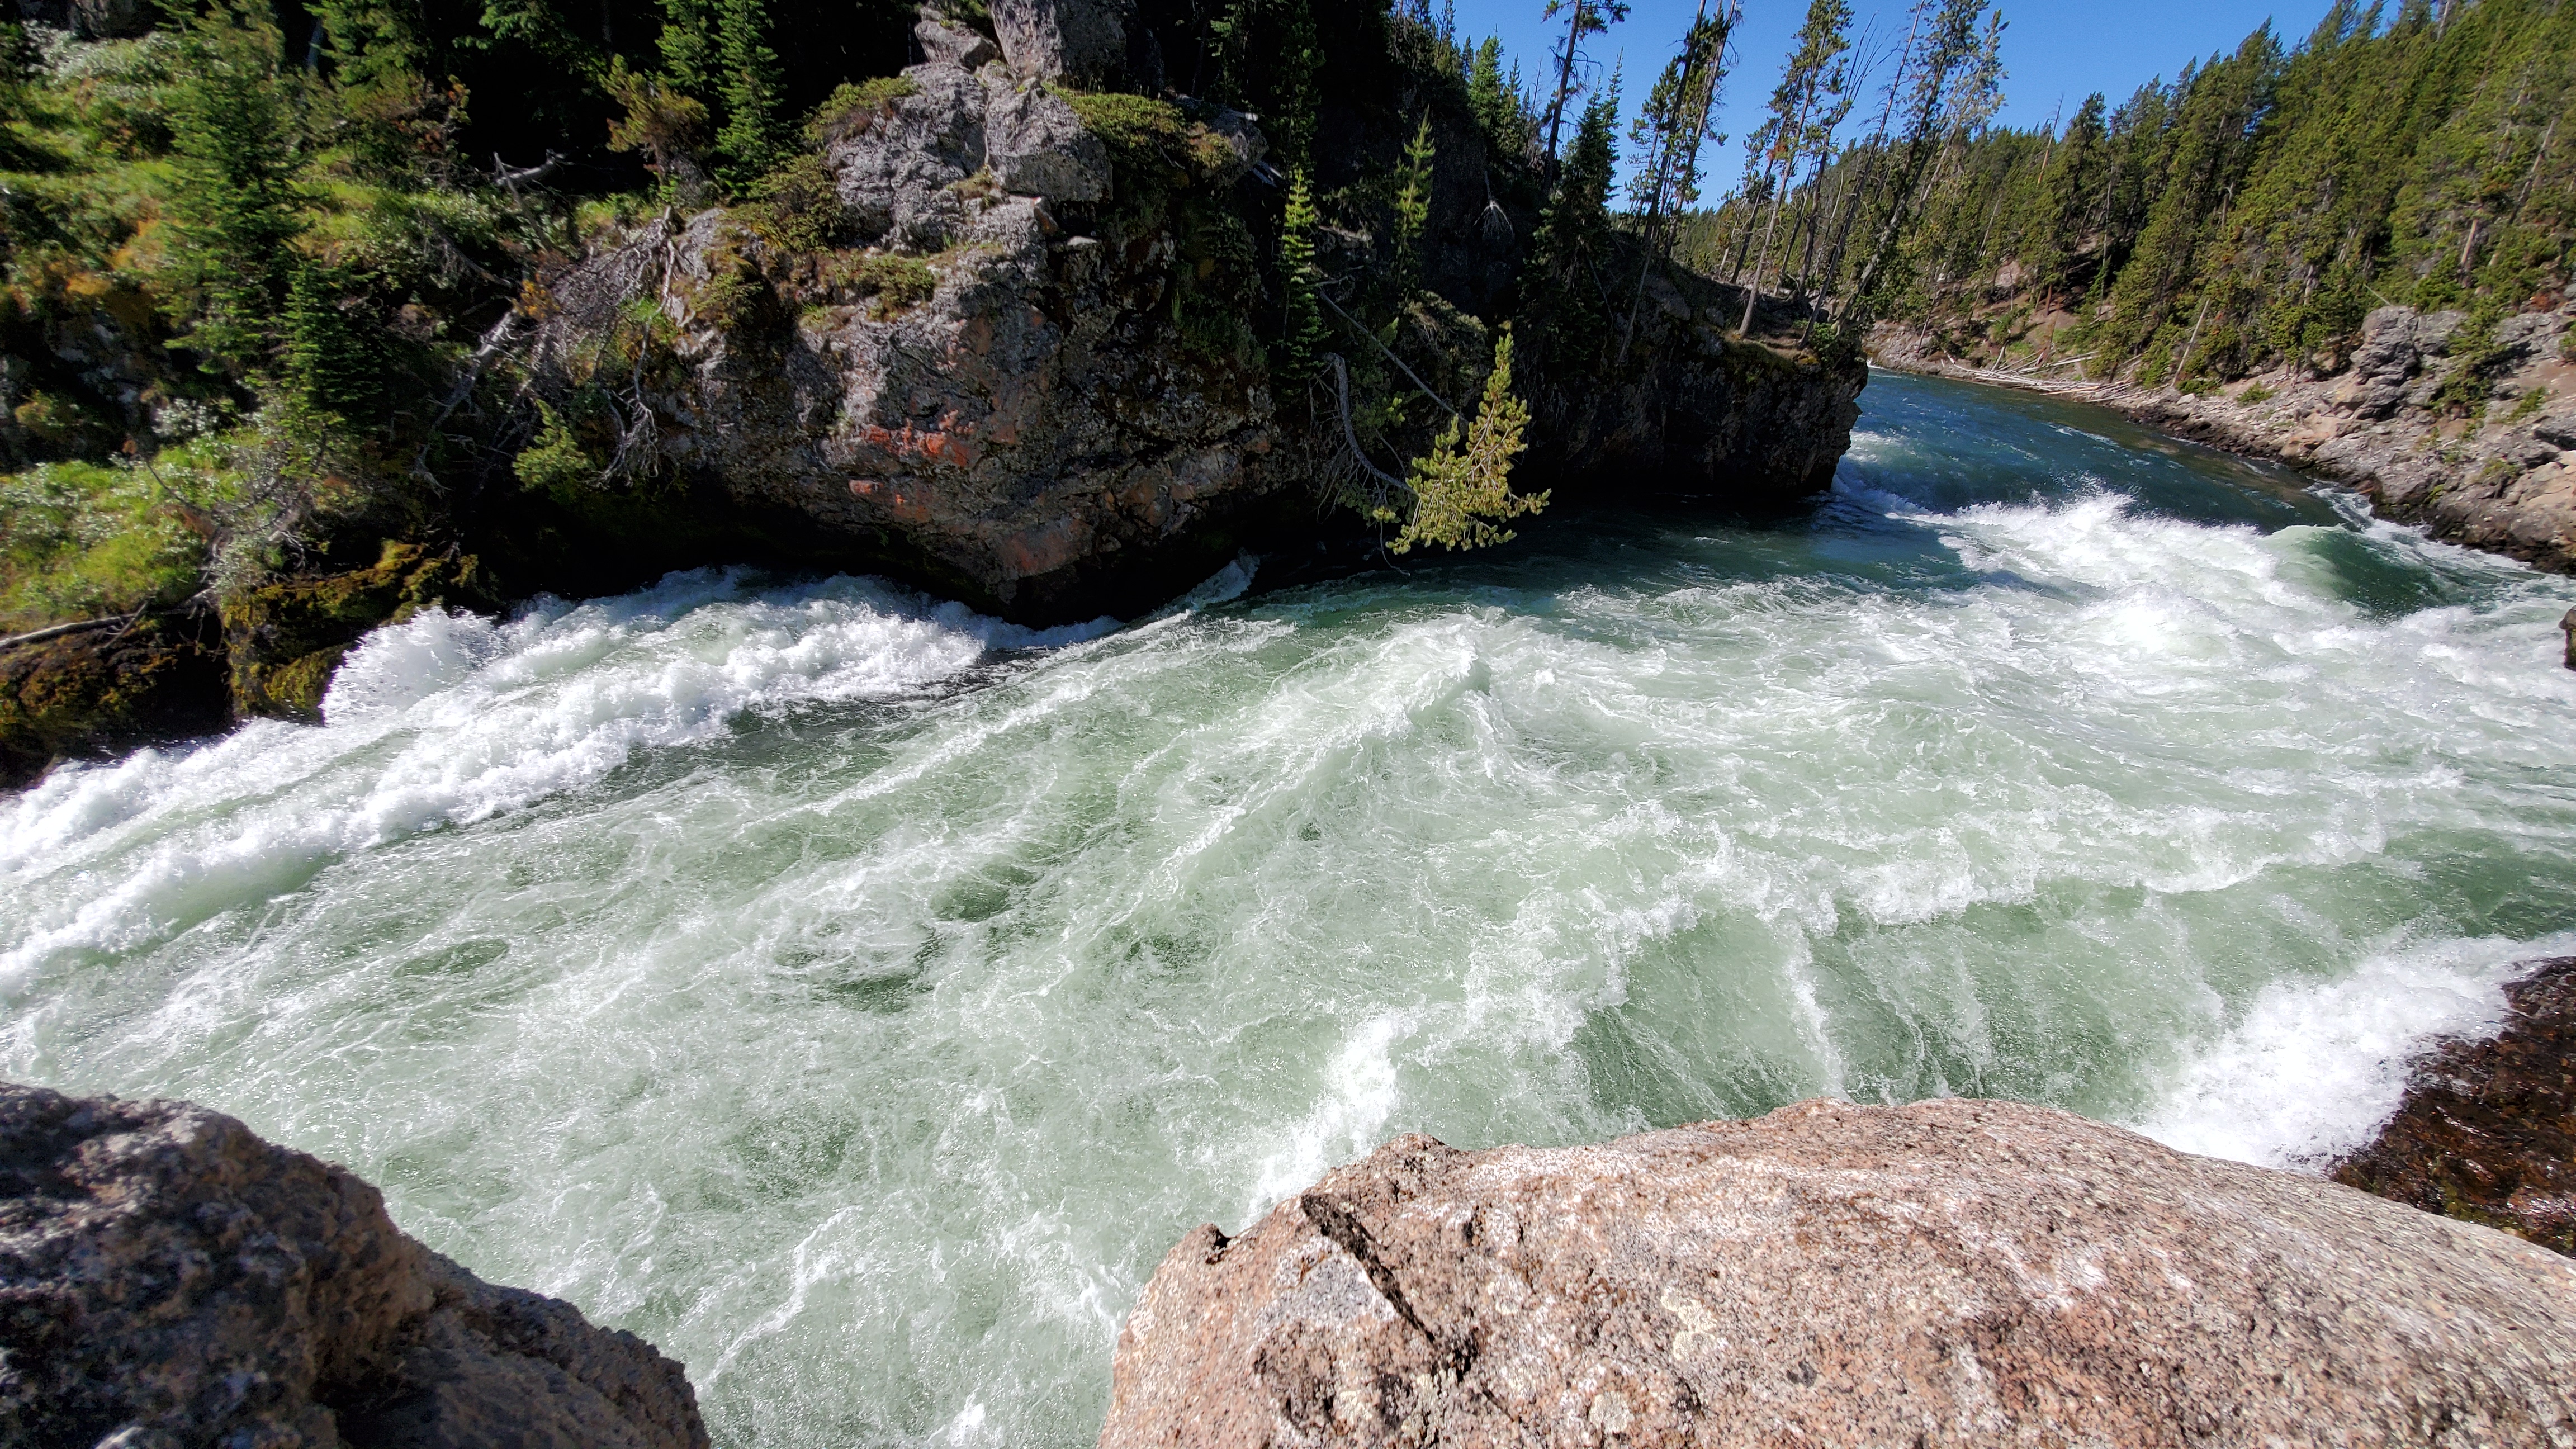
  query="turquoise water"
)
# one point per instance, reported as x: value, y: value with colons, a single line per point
x: 856, y: 996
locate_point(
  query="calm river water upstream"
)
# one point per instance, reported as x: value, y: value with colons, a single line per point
x: 856, y: 996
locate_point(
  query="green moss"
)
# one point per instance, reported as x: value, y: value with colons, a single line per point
x: 285, y: 638
x: 102, y: 689
x: 855, y: 105
x: 1151, y: 143
x: 898, y: 283
x: 1126, y: 121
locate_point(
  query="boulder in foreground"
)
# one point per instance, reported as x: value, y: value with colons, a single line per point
x: 168, y: 1279
x: 1950, y: 1272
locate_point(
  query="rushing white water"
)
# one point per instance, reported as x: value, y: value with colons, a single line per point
x: 856, y: 996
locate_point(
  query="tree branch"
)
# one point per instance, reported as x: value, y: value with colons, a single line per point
x: 1350, y: 435
x: 1418, y: 384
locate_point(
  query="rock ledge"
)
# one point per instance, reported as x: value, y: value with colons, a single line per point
x: 1950, y: 1272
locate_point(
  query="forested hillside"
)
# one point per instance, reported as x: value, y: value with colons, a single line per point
x: 2243, y: 216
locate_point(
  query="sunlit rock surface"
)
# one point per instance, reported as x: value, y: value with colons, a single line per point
x: 1950, y: 1272
x: 168, y: 1279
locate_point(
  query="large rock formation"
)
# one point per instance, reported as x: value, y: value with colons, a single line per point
x: 169, y: 1280
x: 1951, y: 1272
x: 1014, y: 359
x: 2488, y: 1128
x: 998, y: 385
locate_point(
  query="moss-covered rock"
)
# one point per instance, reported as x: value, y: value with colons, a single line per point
x: 103, y: 690
x: 284, y: 639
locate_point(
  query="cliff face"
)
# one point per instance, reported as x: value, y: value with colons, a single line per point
x: 1950, y: 1272
x: 2500, y: 478
x: 1066, y: 410
x: 168, y: 1279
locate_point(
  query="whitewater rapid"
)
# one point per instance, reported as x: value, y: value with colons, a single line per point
x: 856, y: 996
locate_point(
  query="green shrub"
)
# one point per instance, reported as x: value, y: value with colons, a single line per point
x: 1139, y: 131
x: 82, y: 540
x: 555, y: 463
x: 797, y: 208
x: 2254, y: 392
x: 896, y: 282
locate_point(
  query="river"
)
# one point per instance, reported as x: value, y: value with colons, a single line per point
x: 856, y: 996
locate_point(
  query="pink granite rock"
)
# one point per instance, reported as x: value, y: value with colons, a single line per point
x: 1951, y: 1272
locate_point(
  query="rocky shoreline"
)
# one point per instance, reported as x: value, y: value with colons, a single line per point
x: 2487, y: 1132
x: 2500, y: 478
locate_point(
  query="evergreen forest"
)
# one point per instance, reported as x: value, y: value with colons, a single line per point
x: 2242, y: 217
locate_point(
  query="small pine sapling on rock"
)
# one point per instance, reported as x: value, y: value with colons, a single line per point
x: 1460, y: 493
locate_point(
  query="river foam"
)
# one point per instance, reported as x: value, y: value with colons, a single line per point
x: 857, y: 996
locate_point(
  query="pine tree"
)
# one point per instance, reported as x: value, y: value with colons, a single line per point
x: 1788, y: 134
x: 1460, y: 494
x: 2208, y: 163
x: 1301, y: 329
x: 1495, y: 104
x: 1267, y: 59
x: 1943, y: 46
x: 1572, y: 245
x: 234, y: 201
x: 335, y: 359
x: 1675, y: 122
x: 2074, y: 175
x: 1583, y: 18
x: 1412, y: 208
x: 752, y: 139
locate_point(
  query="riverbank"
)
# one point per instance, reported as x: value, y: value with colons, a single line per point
x: 2499, y: 476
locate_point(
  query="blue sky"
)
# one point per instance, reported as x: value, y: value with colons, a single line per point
x: 2052, y: 50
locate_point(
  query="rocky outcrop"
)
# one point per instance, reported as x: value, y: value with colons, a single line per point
x: 2503, y: 479
x: 1095, y: 44
x: 168, y: 1280
x: 2487, y: 1131
x: 1022, y: 367
x: 997, y: 384
x: 1951, y: 1272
